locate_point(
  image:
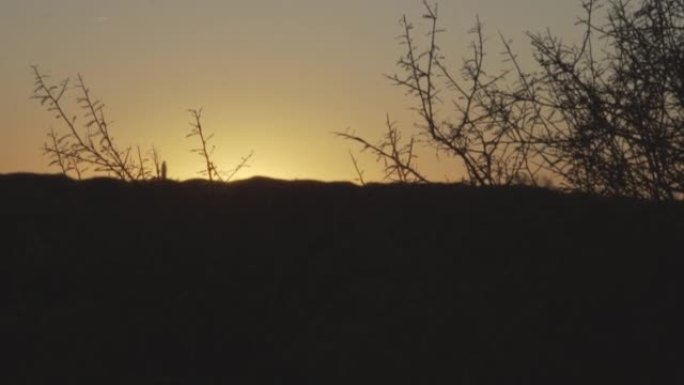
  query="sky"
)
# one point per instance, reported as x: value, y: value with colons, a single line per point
x: 276, y: 77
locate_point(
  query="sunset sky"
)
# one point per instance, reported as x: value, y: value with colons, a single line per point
x: 273, y: 76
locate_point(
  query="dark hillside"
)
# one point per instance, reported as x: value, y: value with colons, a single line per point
x: 265, y: 281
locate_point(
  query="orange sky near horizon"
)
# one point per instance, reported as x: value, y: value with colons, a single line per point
x: 276, y: 77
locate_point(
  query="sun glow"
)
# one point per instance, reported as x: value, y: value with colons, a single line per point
x: 277, y: 80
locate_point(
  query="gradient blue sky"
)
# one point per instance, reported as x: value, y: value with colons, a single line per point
x: 273, y: 76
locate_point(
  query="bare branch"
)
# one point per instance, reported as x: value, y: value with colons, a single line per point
x: 77, y: 151
x: 359, y: 172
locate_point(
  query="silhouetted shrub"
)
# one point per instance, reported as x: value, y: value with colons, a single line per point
x: 93, y: 149
x: 210, y: 170
x: 604, y: 117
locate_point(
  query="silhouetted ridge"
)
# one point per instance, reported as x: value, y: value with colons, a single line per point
x: 268, y: 281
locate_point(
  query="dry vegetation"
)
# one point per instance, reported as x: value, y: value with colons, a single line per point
x: 606, y: 116
x: 87, y: 146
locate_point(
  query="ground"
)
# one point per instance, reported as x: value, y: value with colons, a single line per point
x: 274, y: 282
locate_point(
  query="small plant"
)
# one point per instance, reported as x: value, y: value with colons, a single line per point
x: 398, y: 159
x: 359, y: 171
x: 159, y: 165
x: 211, y: 171
x: 91, y: 148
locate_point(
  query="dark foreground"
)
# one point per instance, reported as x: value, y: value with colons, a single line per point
x: 268, y: 282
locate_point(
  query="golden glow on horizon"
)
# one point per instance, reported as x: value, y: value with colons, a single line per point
x: 274, y: 77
